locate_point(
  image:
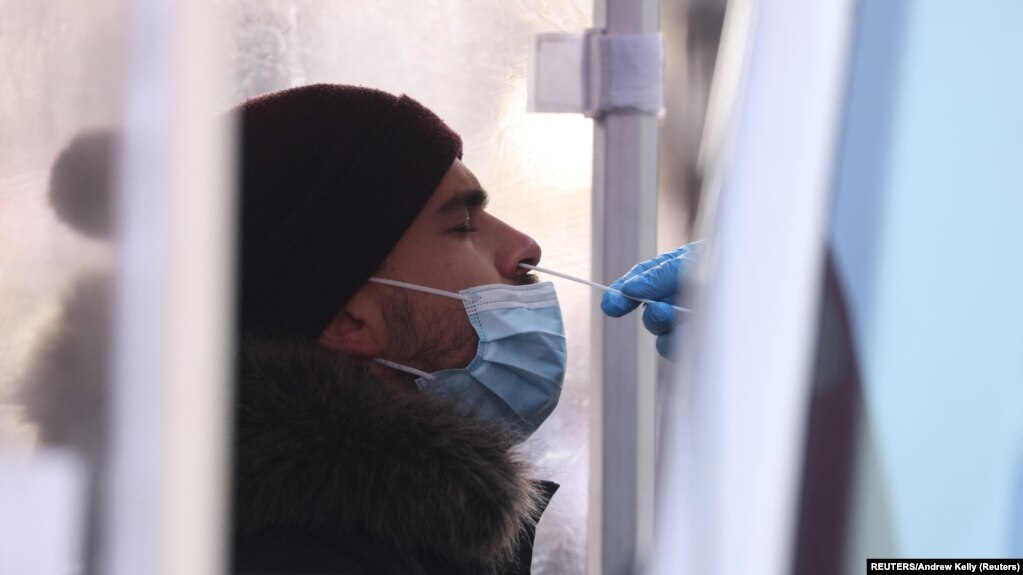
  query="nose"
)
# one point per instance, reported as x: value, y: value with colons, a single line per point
x: 515, y: 248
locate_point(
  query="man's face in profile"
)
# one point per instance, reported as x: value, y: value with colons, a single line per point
x: 453, y: 244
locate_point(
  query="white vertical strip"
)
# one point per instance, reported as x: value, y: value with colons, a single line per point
x: 131, y: 544
x: 168, y: 476
x: 200, y: 325
x: 734, y: 447
x: 622, y: 399
x: 42, y: 498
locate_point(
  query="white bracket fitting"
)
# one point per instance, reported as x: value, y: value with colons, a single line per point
x: 594, y: 73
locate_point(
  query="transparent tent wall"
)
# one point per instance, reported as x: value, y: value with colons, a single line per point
x: 62, y: 64
x: 468, y: 62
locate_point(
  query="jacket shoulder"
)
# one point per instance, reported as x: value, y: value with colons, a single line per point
x: 280, y: 553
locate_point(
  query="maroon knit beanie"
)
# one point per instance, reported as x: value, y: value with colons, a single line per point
x: 331, y: 177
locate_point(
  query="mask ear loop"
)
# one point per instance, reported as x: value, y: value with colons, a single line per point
x: 405, y: 368
x: 434, y: 291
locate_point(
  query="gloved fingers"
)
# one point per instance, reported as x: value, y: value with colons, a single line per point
x: 641, y: 267
x: 616, y: 305
x: 693, y: 247
x: 658, y: 283
x: 659, y: 318
x: 665, y: 346
x: 660, y: 280
x: 655, y: 279
x: 666, y: 343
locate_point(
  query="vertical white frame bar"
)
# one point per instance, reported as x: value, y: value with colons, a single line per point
x: 624, y: 357
x: 733, y: 450
x: 168, y: 473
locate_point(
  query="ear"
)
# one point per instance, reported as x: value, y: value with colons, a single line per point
x: 351, y: 335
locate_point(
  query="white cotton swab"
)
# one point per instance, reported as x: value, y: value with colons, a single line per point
x: 599, y: 286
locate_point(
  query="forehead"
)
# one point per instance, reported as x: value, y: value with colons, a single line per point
x: 456, y: 181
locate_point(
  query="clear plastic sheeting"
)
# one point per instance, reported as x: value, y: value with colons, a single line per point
x: 63, y: 69
x: 467, y: 61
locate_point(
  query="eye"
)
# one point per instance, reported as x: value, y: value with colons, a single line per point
x: 465, y: 227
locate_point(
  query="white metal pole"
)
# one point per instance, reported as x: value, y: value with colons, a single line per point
x: 167, y: 494
x: 622, y: 399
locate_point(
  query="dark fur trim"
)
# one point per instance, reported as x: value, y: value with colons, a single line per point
x: 324, y: 447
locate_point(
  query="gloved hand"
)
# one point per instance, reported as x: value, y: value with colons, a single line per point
x: 655, y: 279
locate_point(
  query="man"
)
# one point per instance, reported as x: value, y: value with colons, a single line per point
x: 382, y: 391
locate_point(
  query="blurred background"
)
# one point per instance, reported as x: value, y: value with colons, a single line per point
x: 856, y: 359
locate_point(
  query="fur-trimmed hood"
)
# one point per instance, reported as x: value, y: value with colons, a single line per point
x: 324, y: 447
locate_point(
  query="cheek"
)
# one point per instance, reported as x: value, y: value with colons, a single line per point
x: 441, y: 336
x: 422, y: 317
x: 462, y: 339
x: 474, y: 262
x: 447, y: 320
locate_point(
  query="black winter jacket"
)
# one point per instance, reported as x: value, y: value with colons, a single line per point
x: 339, y: 472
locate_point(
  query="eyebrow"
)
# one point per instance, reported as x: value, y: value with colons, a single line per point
x: 474, y: 198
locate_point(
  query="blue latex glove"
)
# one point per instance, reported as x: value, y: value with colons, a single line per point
x: 655, y: 279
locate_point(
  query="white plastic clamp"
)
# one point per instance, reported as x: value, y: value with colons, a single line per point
x: 594, y: 73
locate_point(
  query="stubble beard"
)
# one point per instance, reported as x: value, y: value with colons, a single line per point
x: 428, y: 334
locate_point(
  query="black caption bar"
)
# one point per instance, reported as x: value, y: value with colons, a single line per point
x: 954, y: 565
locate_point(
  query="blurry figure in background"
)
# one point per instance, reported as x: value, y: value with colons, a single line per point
x: 393, y: 353
x: 656, y: 279
x: 65, y: 388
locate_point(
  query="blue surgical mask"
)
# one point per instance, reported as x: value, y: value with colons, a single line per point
x: 519, y: 367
